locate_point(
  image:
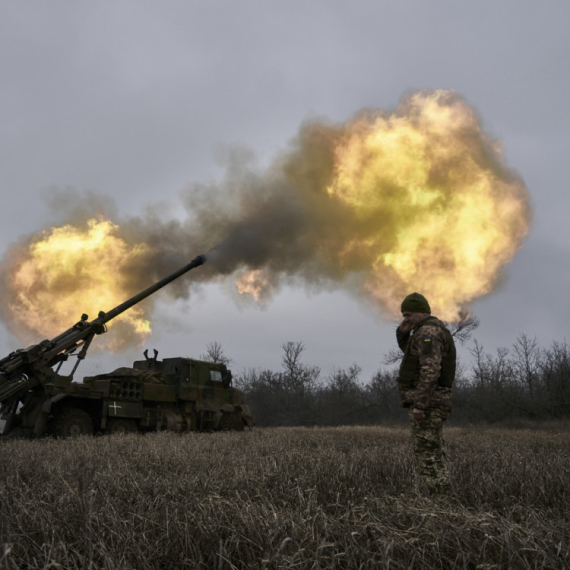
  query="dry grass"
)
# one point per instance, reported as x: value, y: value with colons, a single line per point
x: 283, y: 498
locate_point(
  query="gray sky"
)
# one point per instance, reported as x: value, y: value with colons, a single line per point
x: 139, y: 99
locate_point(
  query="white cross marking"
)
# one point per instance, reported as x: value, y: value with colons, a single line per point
x: 115, y: 407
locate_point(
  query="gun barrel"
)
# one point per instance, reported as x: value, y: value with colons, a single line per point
x: 106, y: 317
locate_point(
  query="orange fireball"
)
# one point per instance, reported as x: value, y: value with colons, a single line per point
x: 254, y: 283
x: 68, y: 271
x: 447, y: 222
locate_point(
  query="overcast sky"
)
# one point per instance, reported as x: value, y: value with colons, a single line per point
x: 139, y: 99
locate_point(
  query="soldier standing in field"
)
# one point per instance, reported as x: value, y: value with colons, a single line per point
x: 425, y: 382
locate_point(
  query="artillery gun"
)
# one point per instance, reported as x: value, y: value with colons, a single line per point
x: 178, y: 394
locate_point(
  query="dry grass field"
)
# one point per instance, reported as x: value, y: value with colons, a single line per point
x: 285, y: 498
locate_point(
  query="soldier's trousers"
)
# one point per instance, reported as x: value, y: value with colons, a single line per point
x: 429, y: 450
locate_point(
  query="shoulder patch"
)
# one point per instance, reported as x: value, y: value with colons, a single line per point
x: 427, y: 344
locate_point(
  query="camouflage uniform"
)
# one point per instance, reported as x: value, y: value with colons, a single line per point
x: 426, y: 376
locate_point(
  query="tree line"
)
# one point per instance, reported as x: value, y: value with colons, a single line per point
x: 524, y: 382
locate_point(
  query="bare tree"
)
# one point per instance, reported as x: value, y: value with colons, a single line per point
x: 480, y: 369
x: 555, y: 372
x: 345, y: 382
x: 301, y: 378
x: 525, y: 381
x: 528, y: 361
x: 382, y: 391
x: 393, y: 356
x: 462, y: 330
x: 215, y: 353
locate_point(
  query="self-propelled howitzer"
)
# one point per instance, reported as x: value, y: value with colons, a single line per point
x: 31, y: 390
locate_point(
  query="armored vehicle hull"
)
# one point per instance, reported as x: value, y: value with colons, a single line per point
x: 176, y: 394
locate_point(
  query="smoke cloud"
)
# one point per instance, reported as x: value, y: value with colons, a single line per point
x: 418, y: 199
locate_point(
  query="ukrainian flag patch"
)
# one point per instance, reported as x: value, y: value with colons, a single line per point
x: 427, y: 345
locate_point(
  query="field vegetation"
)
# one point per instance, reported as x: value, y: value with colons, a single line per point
x: 280, y: 498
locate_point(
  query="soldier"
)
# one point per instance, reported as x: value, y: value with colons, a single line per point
x: 425, y: 380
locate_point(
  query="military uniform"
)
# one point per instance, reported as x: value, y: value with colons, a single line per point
x: 425, y: 383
